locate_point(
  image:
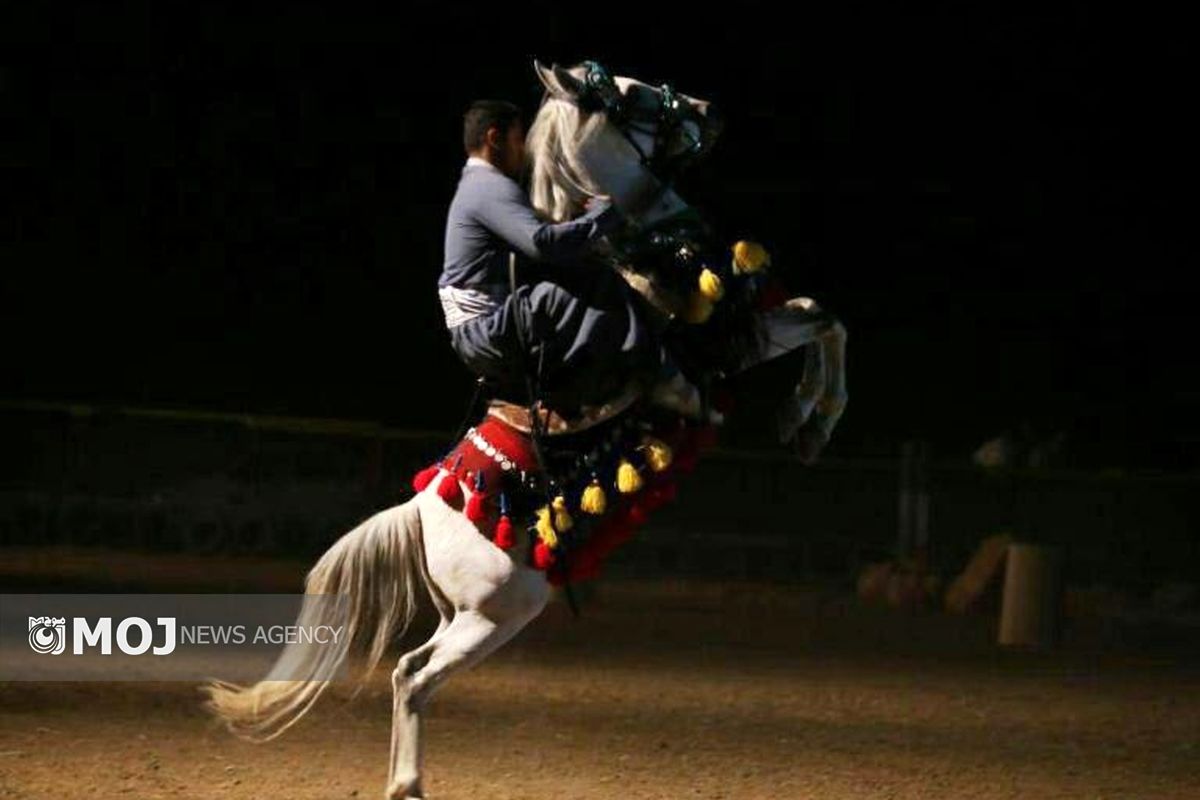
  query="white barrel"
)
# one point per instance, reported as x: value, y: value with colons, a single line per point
x: 1032, y: 604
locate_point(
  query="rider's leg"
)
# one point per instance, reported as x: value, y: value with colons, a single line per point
x: 588, y: 339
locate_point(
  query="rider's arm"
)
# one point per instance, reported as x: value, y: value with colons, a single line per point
x: 506, y: 212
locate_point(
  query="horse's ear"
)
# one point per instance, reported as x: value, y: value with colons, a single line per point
x: 558, y: 81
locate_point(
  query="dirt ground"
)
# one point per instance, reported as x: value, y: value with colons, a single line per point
x: 712, y: 692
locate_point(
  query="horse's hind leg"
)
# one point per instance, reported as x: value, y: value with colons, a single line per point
x: 404, y: 772
x: 404, y: 769
x: 405, y: 759
x: 470, y: 637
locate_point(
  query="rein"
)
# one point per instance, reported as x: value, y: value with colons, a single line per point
x: 533, y: 382
x: 600, y: 93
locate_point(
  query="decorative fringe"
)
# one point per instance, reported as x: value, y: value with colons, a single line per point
x: 449, y: 490
x: 699, y: 309
x: 659, y: 495
x: 723, y: 400
x: 686, y: 462
x: 477, y: 505
x: 505, y: 537
x: 593, y: 500
x: 628, y: 478
x: 425, y: 477
x: 562, y: 517
x: 772, y: 295
x: 750, y: 257
x: 543, y: 556
x: 658, y: 453
x: 706, y: 437
x: 711, y: 285
x: 545, y: 529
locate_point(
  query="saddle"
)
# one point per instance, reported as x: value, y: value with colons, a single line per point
x: 552, y: 423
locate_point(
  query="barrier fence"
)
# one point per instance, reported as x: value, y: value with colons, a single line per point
x: 203, y: 482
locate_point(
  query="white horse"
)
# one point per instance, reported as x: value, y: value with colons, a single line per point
x: 483, y: 594
x: 577, y: 154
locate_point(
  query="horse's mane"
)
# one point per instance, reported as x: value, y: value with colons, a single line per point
x: 559, y: 183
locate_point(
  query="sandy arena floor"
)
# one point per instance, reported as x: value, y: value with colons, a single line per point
x: 719, y: 693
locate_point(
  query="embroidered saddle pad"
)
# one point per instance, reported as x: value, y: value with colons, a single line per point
x: 597, y: 487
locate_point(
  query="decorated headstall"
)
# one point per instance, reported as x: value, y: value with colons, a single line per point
x: 664, y: 124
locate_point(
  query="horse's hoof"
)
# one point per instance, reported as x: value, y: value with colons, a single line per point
x: 405, y: 791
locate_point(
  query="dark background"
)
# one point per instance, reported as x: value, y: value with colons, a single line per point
x: 243, y: 209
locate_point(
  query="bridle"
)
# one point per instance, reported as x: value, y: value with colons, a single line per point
x: 668, y: 121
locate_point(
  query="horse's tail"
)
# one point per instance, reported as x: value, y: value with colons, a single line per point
x: 375, y: 568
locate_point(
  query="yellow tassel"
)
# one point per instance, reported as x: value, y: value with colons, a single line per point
x: 658, y: 453
x: 628, y: 478
x: 562, y: 517
x: 545, y: 529
x: 750, y: 257
x: 711, y: 285
x: 593, y: 500
x: 699, y: 309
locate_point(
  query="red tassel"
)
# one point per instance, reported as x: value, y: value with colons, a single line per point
x: 543, y: 556
x: 584, y: 565
x: 772, y: 295
x: 449, y: 490
x: 724, y: 400
x: 659, y: 496
x: 423, y: 478
x: 621, y: 534
x: 477, y: 507
x: 685, y: 463
x: 505, y: 536
x: 688, y: 451
x: 636, y: 516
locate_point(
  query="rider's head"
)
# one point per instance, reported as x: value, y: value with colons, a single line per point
x: 492, y: 130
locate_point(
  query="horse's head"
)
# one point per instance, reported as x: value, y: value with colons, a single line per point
x: 601, y: 134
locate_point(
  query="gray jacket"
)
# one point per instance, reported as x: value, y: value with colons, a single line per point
x: 490, y: 216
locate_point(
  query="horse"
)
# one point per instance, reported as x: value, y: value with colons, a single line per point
x: 593, y: 135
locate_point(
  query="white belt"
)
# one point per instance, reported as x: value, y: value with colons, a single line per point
x: 463, y: 305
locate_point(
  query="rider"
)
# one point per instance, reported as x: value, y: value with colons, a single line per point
x: 570, y: 318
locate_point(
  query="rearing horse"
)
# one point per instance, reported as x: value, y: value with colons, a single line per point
x: 456, y: 538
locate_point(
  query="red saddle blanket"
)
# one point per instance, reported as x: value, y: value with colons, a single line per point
x: 585, y: 496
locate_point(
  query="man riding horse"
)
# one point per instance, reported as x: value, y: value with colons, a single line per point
x: 499, y: 519
x: 565, y: 314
